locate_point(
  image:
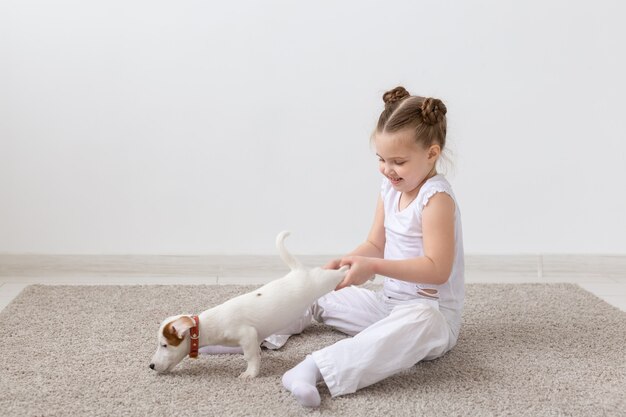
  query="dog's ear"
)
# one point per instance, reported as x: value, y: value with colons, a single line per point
x: 175, y: 331
x: 182, y: 325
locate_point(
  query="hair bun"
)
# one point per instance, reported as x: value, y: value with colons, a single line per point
x: 397, y: 94
x: 433, y: 111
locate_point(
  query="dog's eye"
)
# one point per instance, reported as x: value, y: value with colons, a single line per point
x: 164, y: 346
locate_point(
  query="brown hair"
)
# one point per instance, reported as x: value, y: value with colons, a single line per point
x: 426, y: 116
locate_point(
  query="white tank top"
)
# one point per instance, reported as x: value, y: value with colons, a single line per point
x: 404, y: 239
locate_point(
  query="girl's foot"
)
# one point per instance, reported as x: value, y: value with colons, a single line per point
x: 301, y: 381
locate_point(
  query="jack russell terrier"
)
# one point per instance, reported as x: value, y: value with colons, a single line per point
x: 248, y: 319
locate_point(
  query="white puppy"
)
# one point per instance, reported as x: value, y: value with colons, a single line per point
x: 248, y: 319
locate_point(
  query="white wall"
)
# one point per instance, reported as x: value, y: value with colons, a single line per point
x: 206, y: 127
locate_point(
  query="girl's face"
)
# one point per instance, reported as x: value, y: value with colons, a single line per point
x: 406, y: 163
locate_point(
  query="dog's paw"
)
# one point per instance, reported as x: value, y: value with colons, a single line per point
x: 248, y: 375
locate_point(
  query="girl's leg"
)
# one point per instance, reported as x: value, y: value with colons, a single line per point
x: 411, y: 333
x: 350, y: 311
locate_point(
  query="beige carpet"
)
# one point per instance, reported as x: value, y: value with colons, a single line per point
x: 528, y: 349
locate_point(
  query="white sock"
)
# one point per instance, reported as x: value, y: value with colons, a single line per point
x: 301, y: 381
x: 218, y: 350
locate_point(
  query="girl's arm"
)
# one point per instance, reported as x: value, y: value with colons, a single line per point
x: 374, y: 246
x: 432, y: 268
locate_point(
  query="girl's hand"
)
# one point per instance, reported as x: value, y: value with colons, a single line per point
x: 361, y: 270
x: 334, y: 264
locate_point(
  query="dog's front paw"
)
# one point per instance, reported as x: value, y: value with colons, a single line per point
x: 248, y: 375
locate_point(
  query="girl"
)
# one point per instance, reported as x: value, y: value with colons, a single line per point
x: 415, y: 243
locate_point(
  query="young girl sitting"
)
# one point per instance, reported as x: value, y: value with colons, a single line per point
x: 415, y: 242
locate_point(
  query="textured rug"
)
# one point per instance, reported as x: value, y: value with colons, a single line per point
x: 527, y: 349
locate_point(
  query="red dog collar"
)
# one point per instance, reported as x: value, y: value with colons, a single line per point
x: 193, y: 332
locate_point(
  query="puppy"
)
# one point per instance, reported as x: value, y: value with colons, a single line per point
x: 248, y: 319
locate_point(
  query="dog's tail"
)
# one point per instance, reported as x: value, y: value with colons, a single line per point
x: 287, y: 258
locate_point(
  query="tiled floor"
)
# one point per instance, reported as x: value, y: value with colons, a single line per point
x: 605, y: 276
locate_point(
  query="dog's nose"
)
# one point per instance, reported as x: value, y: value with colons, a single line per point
x: 152, y: 366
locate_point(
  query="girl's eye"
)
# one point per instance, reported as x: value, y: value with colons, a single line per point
x: 400, y: 163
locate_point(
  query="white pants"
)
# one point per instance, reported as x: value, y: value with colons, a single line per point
x: 389, y: 336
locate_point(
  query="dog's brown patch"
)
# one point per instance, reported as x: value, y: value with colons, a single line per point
x: 169, y: 332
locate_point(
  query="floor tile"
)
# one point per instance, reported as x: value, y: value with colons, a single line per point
x: 8, y: 292
x: 618, y: 279
x: 589, y: 266
x: 245, y: 280
x: 114, y: 280
x: 107, y: 265
x: 486, y: 268
x: 263, y: 267
x: 477, y: 277
x: 617, y: 301
x: 605, y: 289
x: 578, y: 279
